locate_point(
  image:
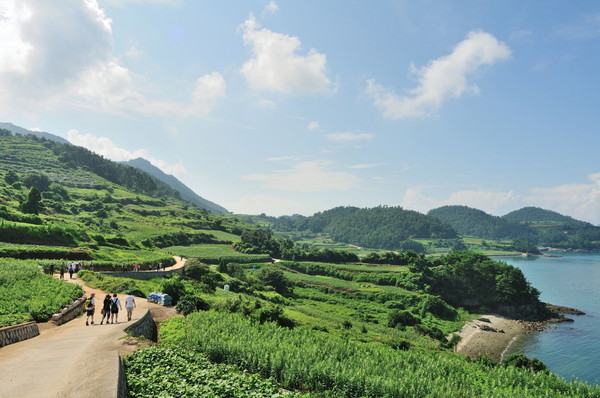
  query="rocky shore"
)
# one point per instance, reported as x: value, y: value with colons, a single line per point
x: 489, y: 335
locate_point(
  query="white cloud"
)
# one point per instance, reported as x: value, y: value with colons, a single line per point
x: 176, y: 3
x: 276, y: 66
x: 581, y: 201
x: 489, y: 201
x: 349, y: 137
x: 271, y: 7
x: 47, y: 60
x: 307, y: 177
x: 106, y: 147
x: 366, y: 165
x: 587, y: 28
x: 314, y: 126
x: 443, y: 78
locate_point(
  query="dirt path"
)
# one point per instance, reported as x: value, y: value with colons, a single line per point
x: 72, y: 360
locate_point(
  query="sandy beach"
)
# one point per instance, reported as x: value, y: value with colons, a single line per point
x: 489, y: 336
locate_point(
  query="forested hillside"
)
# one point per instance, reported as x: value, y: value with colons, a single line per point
x: 539, y: 215
x: 468, y: 221
x: 533, y: 225
x: 380, y: 227
x: 63, y: 195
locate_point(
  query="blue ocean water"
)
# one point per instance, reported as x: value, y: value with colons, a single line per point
x: 571, y: 350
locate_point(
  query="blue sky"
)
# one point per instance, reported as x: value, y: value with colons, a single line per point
x: 287, y: 107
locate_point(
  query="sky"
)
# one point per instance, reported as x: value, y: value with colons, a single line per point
x: 294, y: 107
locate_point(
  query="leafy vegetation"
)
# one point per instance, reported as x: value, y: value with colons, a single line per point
x: 329, y: 366
x: 28, y: 294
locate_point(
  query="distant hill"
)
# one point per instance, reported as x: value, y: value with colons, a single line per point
x: 380, y: 227
x: 42, y: 134
x: 185, y: 192
x: 468, y: 221
x: 539, y: 215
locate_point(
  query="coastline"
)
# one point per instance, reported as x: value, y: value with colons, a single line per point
x: 490, y: 335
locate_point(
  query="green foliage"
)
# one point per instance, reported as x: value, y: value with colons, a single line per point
x: 189, y: 303
x: 402, y: 318
x: 32, y: 204
x: 471, y: 280
x: 174, y: 287
x: 176, y: 372
x: 521, y: 361
x: 324, y: 364
x: 26, y: 293
x: 202, y: 273
x: 274, y: 277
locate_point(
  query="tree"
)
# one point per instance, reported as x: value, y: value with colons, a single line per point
x: 11, y: 177
x: 32, y: 204
x: 274, y: 277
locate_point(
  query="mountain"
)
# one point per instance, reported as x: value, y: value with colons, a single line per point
x: 185, y: 192
x: 64, y: 195
x: 380, y: 227
x: 473, y: 222
x: 42, y: 134
x: 539, y: 215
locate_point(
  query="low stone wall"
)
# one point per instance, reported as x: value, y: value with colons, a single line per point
x: 142, y: 275
x: 70, y: 312
x: 16, y: 333
x: 122, y: 381
x: 145, y: 327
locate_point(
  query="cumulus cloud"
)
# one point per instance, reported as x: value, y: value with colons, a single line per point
x: 581, y: 201
x: 313, y: 176
x: 46, y: 61
x: 442, y: 79
x: 489, y: 201
x: 366, y: 165
x: 276, y: 66
x: 349, y: 137
x: 106, y: 147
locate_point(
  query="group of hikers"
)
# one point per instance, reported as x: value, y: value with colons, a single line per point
x: 72, y: 268
x: 110, y: 308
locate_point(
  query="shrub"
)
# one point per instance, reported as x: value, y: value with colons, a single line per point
x: 190, y: 303
x: 521, y: 361
x: 402, y: 318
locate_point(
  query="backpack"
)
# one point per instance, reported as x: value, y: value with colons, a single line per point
x: 88, y: 303
x: 114, y: 307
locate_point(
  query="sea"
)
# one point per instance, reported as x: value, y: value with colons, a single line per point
x: 571, y: 349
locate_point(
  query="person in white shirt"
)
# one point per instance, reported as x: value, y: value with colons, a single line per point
x: 129, y: 304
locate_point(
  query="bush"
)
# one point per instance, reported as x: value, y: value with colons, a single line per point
x: 274, y: 277
x: 174, y: 287
x: 402, y: 318
x: 521, y: 361
x: 190, y: 303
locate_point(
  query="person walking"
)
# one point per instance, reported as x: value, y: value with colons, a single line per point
x: 90, y: 306
x: 129, y: 304
x: 115, y: 305
x: 71, y: 270
x: 62, y: 272
x: 106, y: 309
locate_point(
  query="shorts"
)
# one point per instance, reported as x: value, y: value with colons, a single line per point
x: 114, y: 311
x: 129, y: 309
x: 90, y: 312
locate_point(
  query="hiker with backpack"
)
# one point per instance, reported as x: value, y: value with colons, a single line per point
x: 90, y: 306
x: 106, y: 309
x: 114, y: 308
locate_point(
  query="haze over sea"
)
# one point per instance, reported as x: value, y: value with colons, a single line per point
x: 571, y: 350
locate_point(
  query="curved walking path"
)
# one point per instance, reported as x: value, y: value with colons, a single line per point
x: 73, y: 360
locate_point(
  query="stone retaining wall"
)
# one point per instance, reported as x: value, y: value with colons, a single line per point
x: 142, y: 275
x: 122, y: 381
x: 145, y: 326
x: 72, y: 311
x: 16, y: 333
